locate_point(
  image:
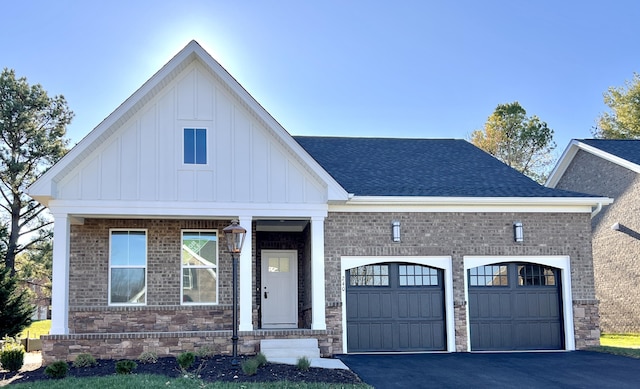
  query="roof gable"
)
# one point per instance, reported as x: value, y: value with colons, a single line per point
x: 420, y: 167
x: 144, y: 135
x: 623, y: 152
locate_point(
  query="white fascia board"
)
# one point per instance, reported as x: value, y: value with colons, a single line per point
x: 562, y: 164
x: 174, y: 209
x: 470, y: 204
x: 570, y: 153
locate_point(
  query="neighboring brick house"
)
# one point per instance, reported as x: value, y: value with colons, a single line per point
x: 610, y: 168
x: 364, y: 244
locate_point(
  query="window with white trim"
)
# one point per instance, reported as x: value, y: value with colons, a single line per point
x: 195, y: 146
x: 128, y: 267
x: 199, y: 267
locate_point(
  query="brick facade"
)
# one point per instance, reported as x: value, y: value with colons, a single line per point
x: 166, y: 327
x: 615, y: 253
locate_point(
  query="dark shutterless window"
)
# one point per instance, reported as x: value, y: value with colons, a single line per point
x: 195, y: 146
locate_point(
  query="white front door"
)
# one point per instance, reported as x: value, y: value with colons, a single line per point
x: 279, y: 293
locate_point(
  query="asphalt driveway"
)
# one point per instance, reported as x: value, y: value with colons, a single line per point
x: 578, y: 369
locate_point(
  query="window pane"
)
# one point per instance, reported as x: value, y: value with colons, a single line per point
x: 201, y: 146
x: 201, y: 286
x: 490, y: 275
x: 370, y: 275
x: 127, y: 286
x: 199, y: 249
x: 189, y: 146
x: 128, y: 248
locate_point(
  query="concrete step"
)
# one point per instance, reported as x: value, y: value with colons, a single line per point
x: 290, y: 348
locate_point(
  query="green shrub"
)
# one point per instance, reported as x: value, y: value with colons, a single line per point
x: 148, y: 357
x: 262, y: 359
x: 11, y: 354
x: 85, y: 360
x: 186, y: 360
x: 57, y: 370
x: 303, y: 364
x: 125, y: 366
x: 205, y: 351
x: 250, y: 366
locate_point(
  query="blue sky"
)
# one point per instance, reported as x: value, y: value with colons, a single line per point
x: 428, y: 69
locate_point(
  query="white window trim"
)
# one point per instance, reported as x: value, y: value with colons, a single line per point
x: 214, y: 266
x: 440, y: 262
x: 561, y: 262
x: 195, y: 165
x: 146, y: 266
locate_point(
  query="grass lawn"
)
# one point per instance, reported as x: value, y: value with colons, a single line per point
x: 155, y: 381
x: 37, y: 328
x: 620, y: 340
x: 627, y: 345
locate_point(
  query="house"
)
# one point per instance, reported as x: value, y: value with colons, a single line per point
x: 365, y: 244
x: 610, y: 168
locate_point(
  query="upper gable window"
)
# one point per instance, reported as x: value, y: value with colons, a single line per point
x: 195, y: 146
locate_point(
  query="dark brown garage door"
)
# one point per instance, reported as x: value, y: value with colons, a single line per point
x: 395, y: 307
x: 515, y: 306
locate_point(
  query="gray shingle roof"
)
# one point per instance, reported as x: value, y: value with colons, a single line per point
x: 420, y: 167
x: 628, y: 149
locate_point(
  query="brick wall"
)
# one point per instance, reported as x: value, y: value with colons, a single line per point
x: 465, y: 234
x: 615, y: 253
x: 165, y: 324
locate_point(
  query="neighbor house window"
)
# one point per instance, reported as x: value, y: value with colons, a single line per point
x: 195, y: 146
x: 199, y: 267
x: 128, y: 267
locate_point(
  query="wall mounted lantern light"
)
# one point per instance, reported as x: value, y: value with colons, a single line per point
x: 235, y: 239
x: 395, y: 228
x: 518, y: 234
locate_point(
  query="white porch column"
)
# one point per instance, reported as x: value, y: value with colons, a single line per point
x: 246, y: 277
x: 318, y: 304
x: 60, y: 277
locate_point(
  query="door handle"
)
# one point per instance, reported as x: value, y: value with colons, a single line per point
x: 265, y: 295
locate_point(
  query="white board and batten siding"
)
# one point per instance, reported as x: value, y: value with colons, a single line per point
x: 142, y: 160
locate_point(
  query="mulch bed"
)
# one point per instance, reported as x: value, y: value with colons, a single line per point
x: 210, y: 369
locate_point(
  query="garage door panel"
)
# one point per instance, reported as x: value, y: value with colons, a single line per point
x: 407, y: 317
x: 521, y: 314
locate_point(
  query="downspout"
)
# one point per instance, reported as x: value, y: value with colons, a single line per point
x: 597, y: 210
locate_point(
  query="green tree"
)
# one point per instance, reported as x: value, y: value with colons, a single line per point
x: 32, y: 130
x: 523, y: 142
x: 623, y: 122
x: 15, y: 310
x: 34, y: 271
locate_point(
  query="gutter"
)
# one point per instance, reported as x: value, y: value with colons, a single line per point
x: 597, y: 210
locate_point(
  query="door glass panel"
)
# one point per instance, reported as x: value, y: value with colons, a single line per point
x: 417, y: 275
x: 278, y: 265
x: 369, y: 275
x: 490, y: 275
x: 536, y: 275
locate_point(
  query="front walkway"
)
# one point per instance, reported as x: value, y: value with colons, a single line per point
x: 544, y: 370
